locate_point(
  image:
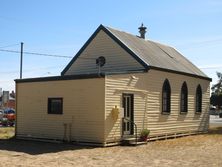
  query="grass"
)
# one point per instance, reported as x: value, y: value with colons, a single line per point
x: 7, y: 132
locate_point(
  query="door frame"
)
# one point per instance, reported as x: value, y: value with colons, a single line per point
x: 131, y: 114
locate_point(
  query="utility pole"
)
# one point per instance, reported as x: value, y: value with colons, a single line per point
x: 21, y: 60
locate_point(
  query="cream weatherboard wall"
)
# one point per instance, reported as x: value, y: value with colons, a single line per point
x: 117, y: 59
x: 88, y: 105
x: 83, y: 110
x: 147, y: 90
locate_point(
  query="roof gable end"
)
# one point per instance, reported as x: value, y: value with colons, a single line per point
x: 113, y: 37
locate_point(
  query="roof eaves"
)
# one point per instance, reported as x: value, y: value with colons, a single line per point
x: 60, y: 78
x: 180, y: 72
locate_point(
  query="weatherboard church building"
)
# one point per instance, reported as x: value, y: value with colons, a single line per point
x: 115, y: 86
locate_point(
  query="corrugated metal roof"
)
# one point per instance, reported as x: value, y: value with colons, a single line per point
x: 157, y: 55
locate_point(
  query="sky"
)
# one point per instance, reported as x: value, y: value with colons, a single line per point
x: 58, y: 27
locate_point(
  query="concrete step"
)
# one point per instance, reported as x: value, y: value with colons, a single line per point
x: 131, y: 141
x: 138, y: 143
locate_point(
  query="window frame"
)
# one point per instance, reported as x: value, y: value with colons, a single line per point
x: 184, y: 99
x: 166, y: 98
x: 198, y: 101
x: 59, y: 111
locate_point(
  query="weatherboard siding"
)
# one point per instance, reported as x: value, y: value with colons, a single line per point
x: 83, y: 110
x: 114, y: 90
x: 147, y: 90
x: 117, y: 59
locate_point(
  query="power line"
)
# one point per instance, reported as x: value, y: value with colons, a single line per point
x: 43, y: 54
x: 6, y: 81
x: 11, y: 51
x: 211, y: 67
x: 194, y: 45
x: 34, y: 53
x: 49, y: 55
x: 9, y: 45
x: 30, y: 70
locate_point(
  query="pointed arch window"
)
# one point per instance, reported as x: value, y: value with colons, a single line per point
x: 166, y: 97
x: 183, y: 98
x: 198, y: 99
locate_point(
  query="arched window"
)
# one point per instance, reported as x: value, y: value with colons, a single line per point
x: 198, y: 99
x: 166, y: 93
x: 183, y: 98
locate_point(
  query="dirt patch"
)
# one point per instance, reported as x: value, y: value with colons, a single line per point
x: 198, y: 150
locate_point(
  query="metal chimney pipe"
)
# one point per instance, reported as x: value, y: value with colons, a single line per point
x: 142, y: 31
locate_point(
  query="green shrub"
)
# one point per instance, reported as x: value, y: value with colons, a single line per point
x: 144, y: 133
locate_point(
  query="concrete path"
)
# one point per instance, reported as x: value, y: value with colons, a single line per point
x: 215, y: 120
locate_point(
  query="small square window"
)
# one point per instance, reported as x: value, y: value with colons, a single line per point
x: 55, y: 105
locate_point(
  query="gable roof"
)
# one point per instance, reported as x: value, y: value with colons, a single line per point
x: 150, y: 54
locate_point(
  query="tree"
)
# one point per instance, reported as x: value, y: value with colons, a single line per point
x: 216, y: 96
x: 217, y: 88
x: 12, y: 94
x: 216, y: 100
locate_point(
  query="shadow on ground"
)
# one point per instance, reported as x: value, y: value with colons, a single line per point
x: 35, y: 147
x: 215, y: 130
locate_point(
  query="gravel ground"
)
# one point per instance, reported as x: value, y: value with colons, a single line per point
x: 198, y: 150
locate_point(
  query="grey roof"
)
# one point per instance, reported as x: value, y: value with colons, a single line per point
x: 156, y: 55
